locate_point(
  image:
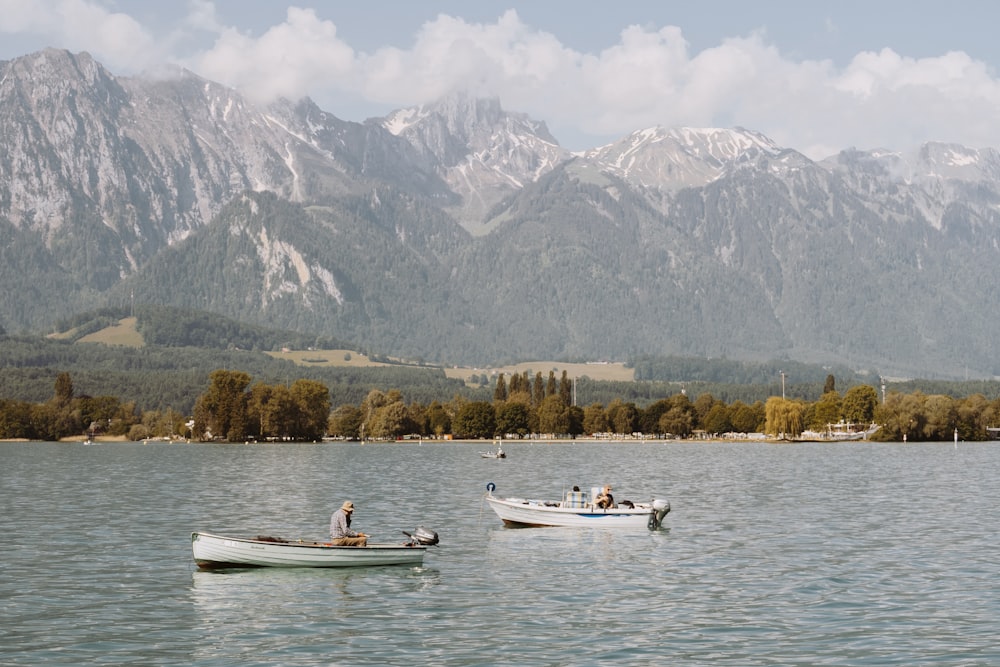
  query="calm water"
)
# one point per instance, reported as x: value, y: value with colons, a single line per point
x: 837, y: 554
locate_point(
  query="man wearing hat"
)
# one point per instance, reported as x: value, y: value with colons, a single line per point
x: 341, y: 534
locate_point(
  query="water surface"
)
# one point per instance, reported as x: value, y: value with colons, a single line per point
x: 811, y: 554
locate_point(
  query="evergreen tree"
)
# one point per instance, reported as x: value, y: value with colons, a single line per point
x: 566, y: 389
x: 63, y: 389
x: 500, y: 393
x: 538, y: 393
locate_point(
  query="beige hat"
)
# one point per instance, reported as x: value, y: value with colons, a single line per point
x: 348, y: 506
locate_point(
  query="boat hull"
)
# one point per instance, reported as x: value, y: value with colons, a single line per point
x: 216, y: 552
x: 520, y: 513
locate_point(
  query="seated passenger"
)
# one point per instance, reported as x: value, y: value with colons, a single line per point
x: 605, y: 499
x: 574, y: 498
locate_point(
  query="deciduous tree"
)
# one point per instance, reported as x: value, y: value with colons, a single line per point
x: 859, y: 404
x: 553, y: 415
x: 513, y: 418
x: 595, y: 419
x: 784, y: 417
x: 476, y: 419
x: 222, y: 408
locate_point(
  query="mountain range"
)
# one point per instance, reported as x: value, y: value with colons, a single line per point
x: 460, y: 232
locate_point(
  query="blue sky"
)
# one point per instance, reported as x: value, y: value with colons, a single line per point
x: 817, y: 77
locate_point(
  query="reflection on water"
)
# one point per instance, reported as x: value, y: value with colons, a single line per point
x: 247, y: 615
x: 835, y: 554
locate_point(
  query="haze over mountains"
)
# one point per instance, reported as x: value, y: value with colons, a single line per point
x: 463, y: 233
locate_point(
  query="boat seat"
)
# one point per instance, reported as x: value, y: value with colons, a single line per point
x: 575, y: 499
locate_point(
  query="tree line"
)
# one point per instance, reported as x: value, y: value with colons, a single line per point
x: 525, y: 407
x: 234, y: 408
x: 66, y: 414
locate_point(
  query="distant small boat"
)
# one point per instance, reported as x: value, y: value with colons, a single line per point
x: 217, y: 552
x: 491, y: 454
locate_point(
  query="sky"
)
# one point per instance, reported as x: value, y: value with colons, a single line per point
x: 818, y: 77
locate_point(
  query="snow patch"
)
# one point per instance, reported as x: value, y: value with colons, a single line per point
x: 404, y: 118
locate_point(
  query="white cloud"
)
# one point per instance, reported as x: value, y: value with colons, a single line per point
x: 202, y: 16
x: 114, y: 38
x: 301, y: 56
x: 649, y: 77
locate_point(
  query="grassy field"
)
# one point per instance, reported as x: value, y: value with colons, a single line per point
x: 123, y: 333
x: 343, y: 358
x: 595, y: 371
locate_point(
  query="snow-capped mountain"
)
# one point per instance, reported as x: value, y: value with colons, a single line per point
x: 483, y: 152
x: 460, y: 231
x: 675, y: 158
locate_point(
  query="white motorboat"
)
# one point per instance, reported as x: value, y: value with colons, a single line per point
x: 498, y: 454
x: 577, y: 509
x: 215, y: 552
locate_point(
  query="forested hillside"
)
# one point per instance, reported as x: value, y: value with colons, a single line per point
x: 158, y: 378
x: 182, y: 347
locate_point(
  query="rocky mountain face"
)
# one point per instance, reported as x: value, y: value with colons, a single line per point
x: 461, y: 232
x: 482, y: 152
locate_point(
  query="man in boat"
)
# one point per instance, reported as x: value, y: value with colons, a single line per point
x: 604, y: 498
x: 341, y: 534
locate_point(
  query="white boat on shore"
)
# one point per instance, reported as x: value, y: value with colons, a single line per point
x: 217, y: 552
x: 840, y: 432
x: 576, y: 509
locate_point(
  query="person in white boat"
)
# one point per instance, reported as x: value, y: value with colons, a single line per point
x: 604, y: 499
x: 341, y: 534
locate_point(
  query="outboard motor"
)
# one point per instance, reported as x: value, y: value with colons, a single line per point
x: 660, y: 509
x: 423, y: 536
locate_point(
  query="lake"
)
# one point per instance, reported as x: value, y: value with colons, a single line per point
x: 802, y: 554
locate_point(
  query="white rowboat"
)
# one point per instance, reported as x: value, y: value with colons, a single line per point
x: 215, y: 551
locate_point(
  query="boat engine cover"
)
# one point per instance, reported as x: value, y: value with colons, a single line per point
x: 425, y: 536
